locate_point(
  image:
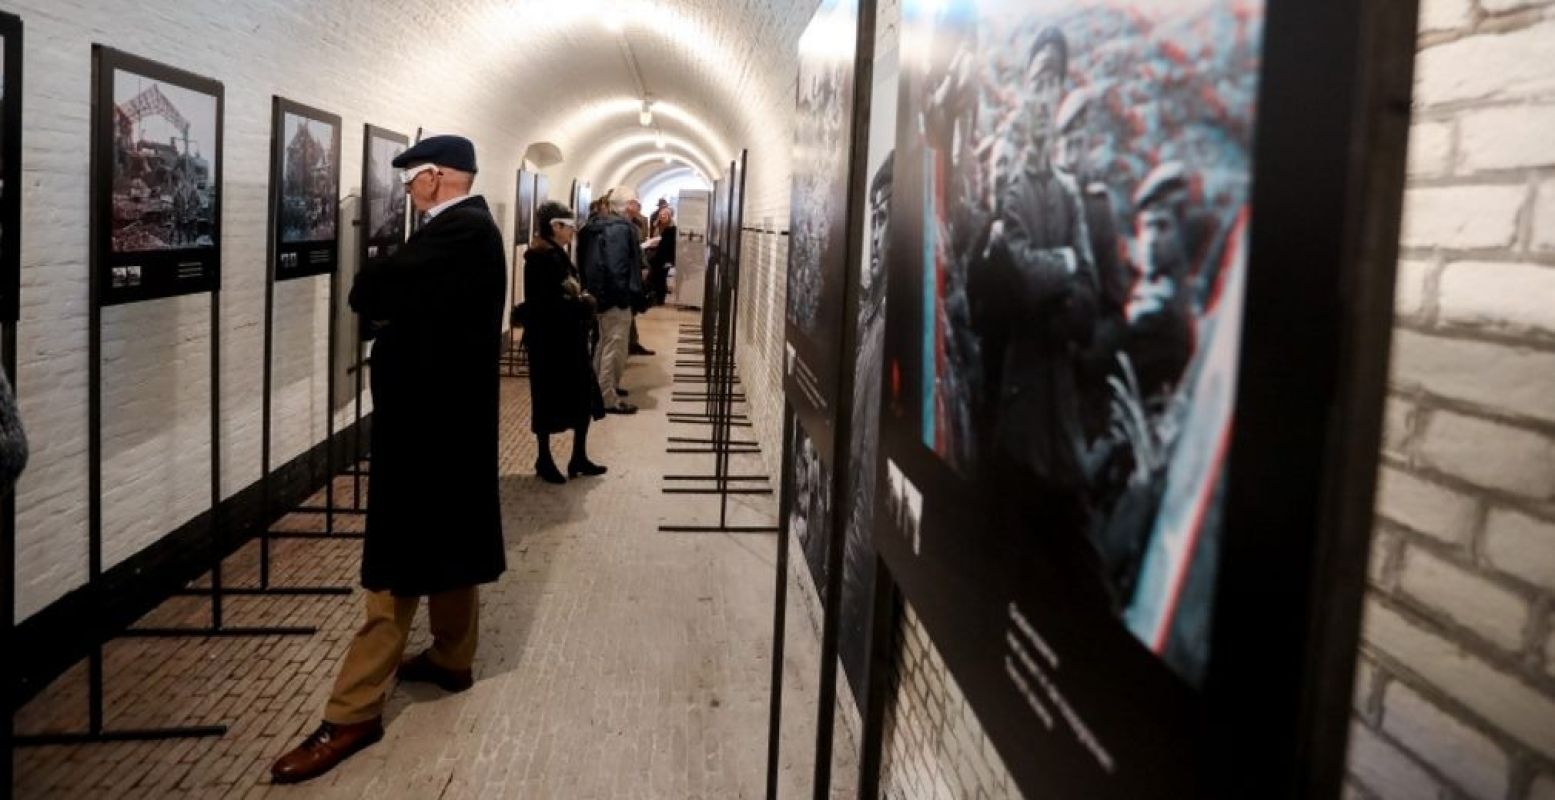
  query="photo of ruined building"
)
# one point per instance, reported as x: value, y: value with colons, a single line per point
x: 164, y: 141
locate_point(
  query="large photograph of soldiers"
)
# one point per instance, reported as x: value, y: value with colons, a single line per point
x: 310, y: 179
x: 1067, y: 225
x: 817, y: 250
x: 164, y: 184
x: 383, y: 197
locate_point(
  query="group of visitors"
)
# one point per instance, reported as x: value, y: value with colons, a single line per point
x: 568, y: 306
x: 435, y: 307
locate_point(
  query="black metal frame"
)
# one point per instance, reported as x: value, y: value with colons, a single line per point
x: 10, y: 274
x: 283, y: 106
x: 840, y: 510
x: 719, y: 375
x: 104, y: 61
x: 1328, y: 167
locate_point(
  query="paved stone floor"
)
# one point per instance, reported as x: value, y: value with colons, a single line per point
x: 616, y: 661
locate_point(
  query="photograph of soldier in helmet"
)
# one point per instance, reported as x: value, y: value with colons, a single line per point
x: 1068, y: 235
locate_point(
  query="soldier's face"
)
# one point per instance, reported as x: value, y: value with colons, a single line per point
x: 1046, y: 89
x: 1160, y: 237
x: 879, y: 223
x: 1071, y: 151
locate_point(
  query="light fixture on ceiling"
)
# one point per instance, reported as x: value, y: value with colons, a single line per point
x: 645, y: 117
x: 658, y: 139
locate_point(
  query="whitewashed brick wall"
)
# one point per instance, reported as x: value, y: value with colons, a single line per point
x: 1455, y: 693
x: 352, y: 57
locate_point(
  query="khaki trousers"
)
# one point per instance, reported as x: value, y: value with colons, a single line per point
x: 367, y: 672
x: 610, y: 354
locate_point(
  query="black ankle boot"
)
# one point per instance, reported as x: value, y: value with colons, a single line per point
x: 549, y: 473
x: 584, y: 467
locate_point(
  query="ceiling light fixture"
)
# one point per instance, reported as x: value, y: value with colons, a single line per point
x: 645, y: 117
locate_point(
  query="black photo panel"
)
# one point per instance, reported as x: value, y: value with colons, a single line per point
x: 156, y: 179
x: 1106, y: 520
x: 383, y: 195
x: 304, y: 190
x: 817, y: 248
x: 10, y: 165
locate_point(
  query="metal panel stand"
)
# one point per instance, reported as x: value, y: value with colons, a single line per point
x: 716, y: 336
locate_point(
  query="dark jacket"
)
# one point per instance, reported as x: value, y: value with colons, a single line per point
x: 434, y: 518
x: 563, y: 390
x: 664, y: 255
x: 610, y: 257
x: 1034, y: 315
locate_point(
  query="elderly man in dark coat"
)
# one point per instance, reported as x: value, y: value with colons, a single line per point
x: 436, y: 307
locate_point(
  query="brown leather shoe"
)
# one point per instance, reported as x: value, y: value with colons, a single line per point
x: 421, y: 670
x: 323, y: 749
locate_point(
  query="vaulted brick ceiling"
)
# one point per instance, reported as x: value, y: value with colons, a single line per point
x: 717, y: 72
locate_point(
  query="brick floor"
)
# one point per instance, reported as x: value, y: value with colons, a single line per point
x: 615, y: 661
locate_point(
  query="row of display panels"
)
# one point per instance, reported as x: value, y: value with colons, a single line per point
x: 1037, y: 347
x: 157, y: 181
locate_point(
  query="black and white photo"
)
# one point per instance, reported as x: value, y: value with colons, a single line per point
x: 157, y: 177
x: 305, y: 175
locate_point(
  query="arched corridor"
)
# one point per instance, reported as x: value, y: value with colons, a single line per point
x: 1206, y: 439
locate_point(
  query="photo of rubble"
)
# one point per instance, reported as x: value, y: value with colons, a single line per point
x: 310, y: 181
x: 385, y: 197
x: 163, y: 145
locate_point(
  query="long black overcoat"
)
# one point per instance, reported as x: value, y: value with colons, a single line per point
x: 434, y: 518
x: 563, y: 389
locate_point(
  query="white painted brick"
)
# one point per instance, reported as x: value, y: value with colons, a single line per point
x: 1430, y: 149
x: 1515, y: 380
x: 1386, y: 771
x: 1426, y: 507
x: 1462, y: 217
x: 1503, y: 6
x: 1543, y: 787
x: 1502, y: 700
x: 1465, y: 756
x: 1438, y: 15
x: 1490, y: 454
x: 1544, y: 216
x: 1398, y: 417
x: 1521, y: 545
x: 1459, y: 595
x: 1510, y: 298
x: 1487, y: 66
x: 1409, y: 289
x: 1382, y: 544
x: 1510, y: 137
x: 1365, y: 677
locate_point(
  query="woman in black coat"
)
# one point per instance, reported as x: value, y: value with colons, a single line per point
x: 663, y: 256
x: 564, y: 393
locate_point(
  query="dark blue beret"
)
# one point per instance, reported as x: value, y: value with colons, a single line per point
x: 454, y: 152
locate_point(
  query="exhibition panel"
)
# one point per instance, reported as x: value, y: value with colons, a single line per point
x: 1074, y: 491
x: 304, y: 242
x: 523, y: 208
x: 822, y: 469
x: 305, y: 190
x: 817, y: 250
x: 157, y: 178
x: 10, y: 167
